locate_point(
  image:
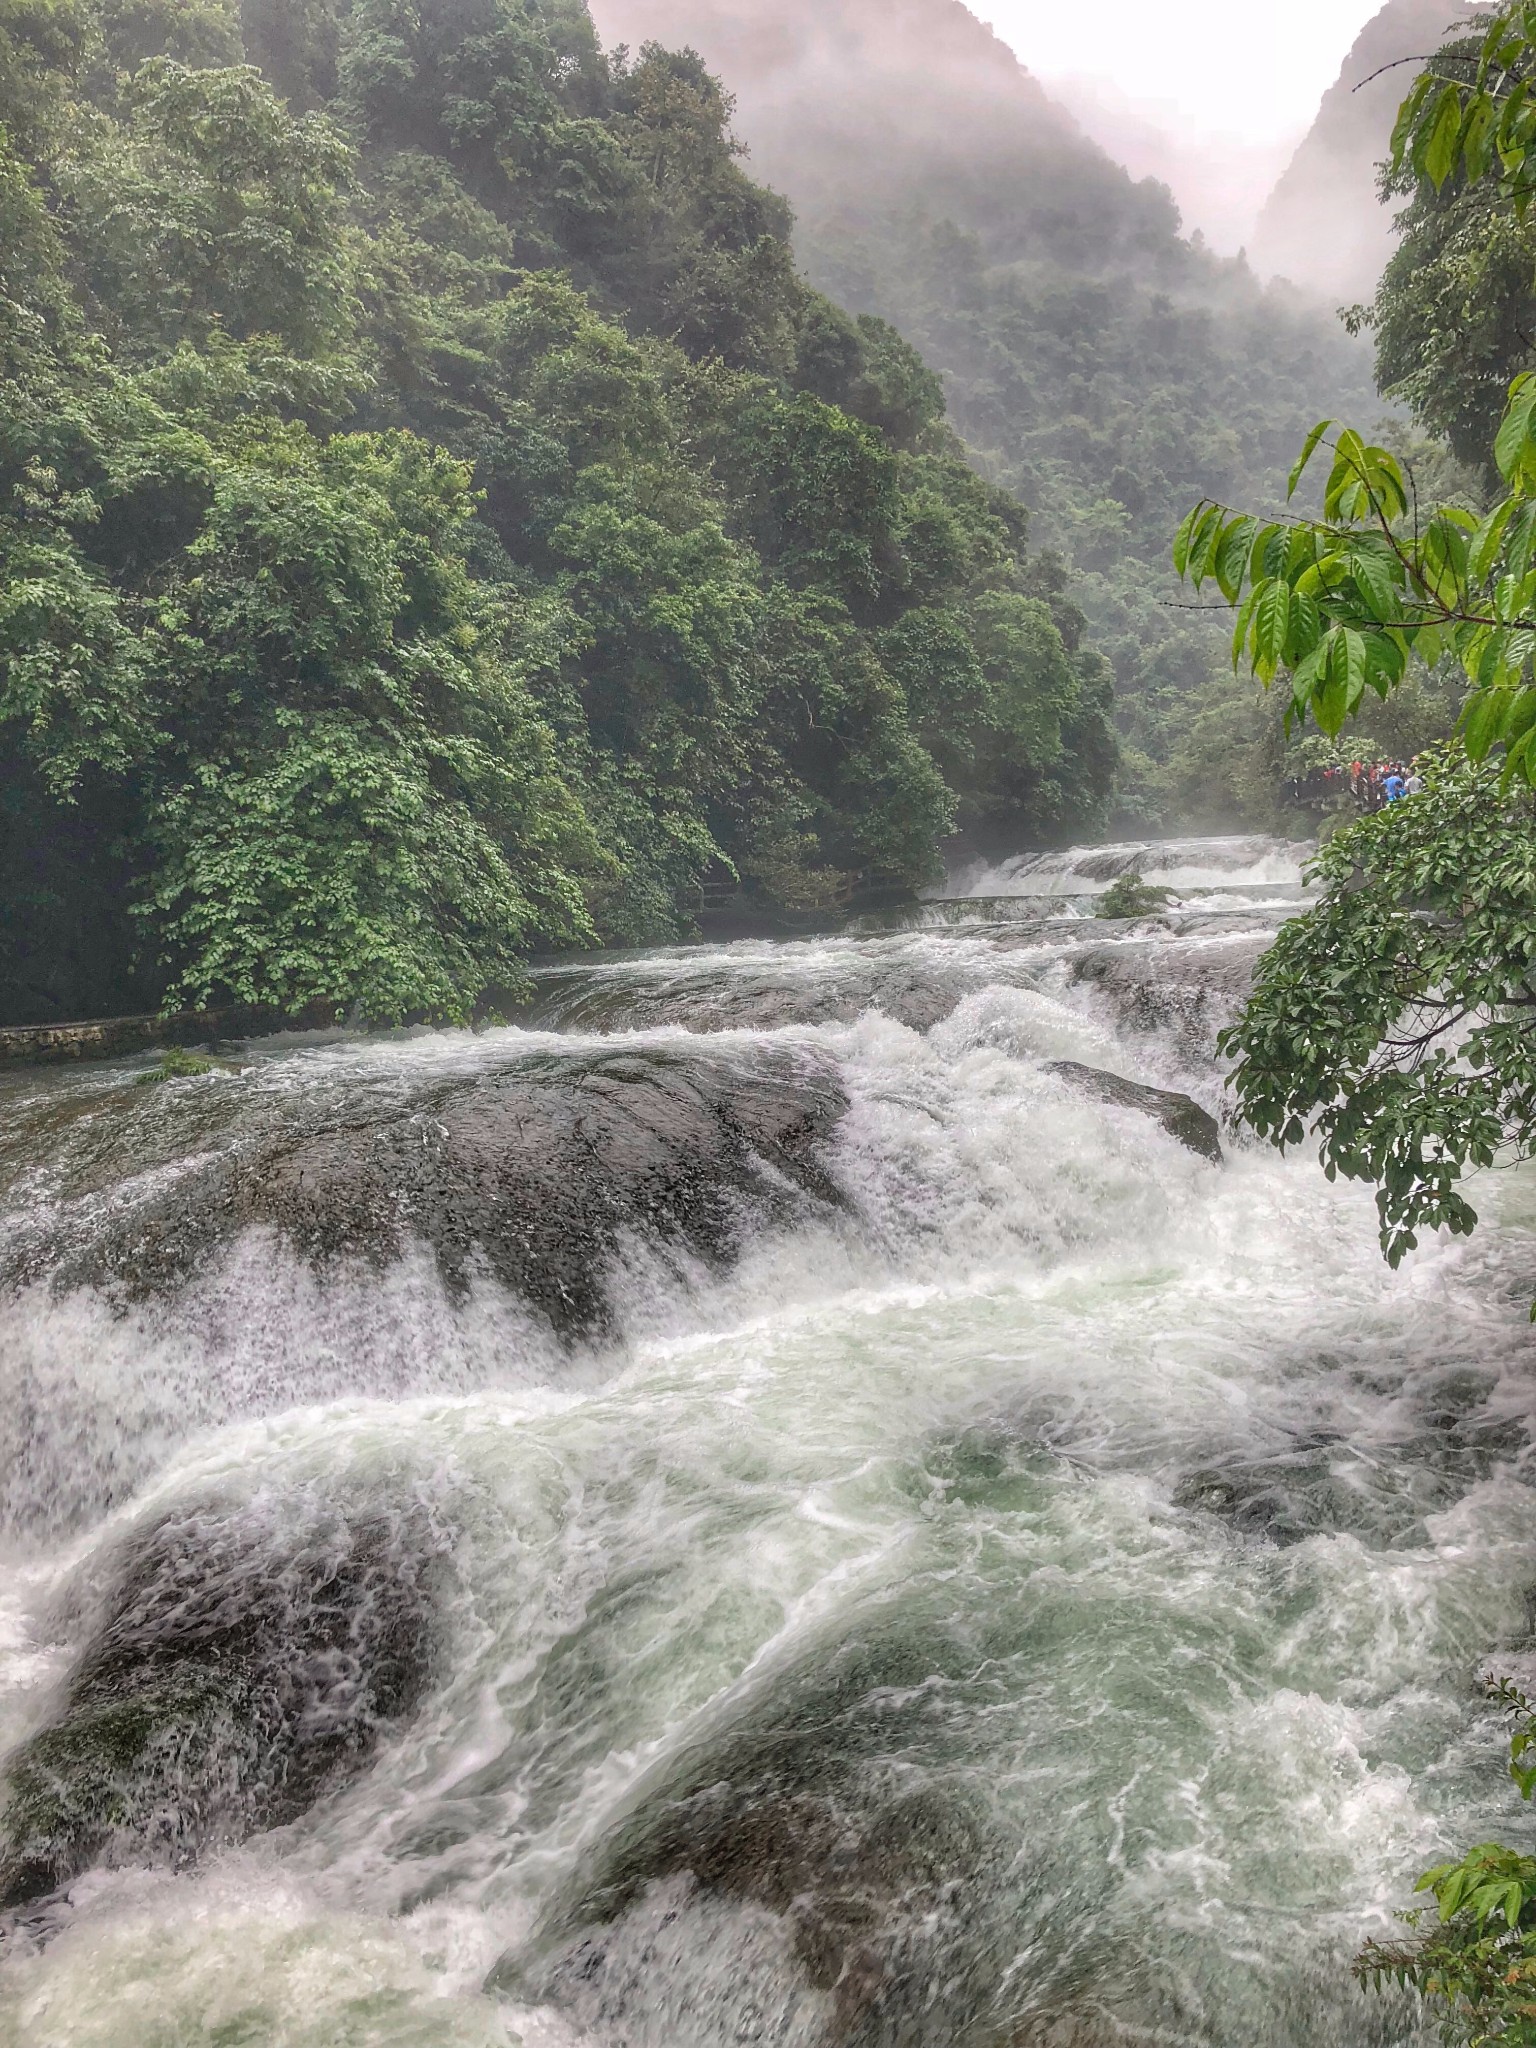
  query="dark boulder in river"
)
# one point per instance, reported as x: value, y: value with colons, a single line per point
x: 1180, y: 1116
x: 240, y: 1664
x: 534, y: 1172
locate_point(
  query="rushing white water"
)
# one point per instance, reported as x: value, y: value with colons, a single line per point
x: 1192, y: 866
x: 1078, y: 1555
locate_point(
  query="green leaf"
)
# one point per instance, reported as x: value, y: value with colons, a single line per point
x: 1512, y: 441
x: 1519, y: 539
x: 1306, y: 455
x: 1438, y: 155
x: 1384, y: 473
x: 1520, y: 766
x: 1300, y: 550
x: 1510, y: 113
x: 1521, y: 718
x: 1482, y: 721
x: 1330, y: 697
x: 1183, y: 538
x: 1377, y: 586
x: 1268, y: 554
x: 1347, y: 479
x: 1356, y: 667
x: 1407, y: 116
x: 1429, y: 644
x: 1488, y: 539
x: 1453, y: 1889
x: 1192, y: 546
x: 1306, y: 625
x: 1231, y: 558
x: 1477, y: 136
x: 1207, y: 543
x: 1270, y: 626
x: 1386, y: 657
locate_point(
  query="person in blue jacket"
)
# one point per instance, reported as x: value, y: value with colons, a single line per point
x: 1392, y: 789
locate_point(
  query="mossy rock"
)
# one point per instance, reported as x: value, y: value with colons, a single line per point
x: 177, y: 1064
x: 245, y: 1662
x: 1130, y: 897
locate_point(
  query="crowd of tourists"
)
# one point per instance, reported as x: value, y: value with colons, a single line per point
x: 1369, y: 785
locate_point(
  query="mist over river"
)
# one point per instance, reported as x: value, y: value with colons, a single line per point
x: 749, y: 1505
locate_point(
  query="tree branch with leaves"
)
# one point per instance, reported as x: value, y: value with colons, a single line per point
x: 1342, y: 604
x: 1392, y: 1021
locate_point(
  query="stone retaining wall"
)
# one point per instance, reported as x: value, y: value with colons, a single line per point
x: 116, y: 1037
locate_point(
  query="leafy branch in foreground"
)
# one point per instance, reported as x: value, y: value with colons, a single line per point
x: 1394, y: 1018
x: 1478, y: 1955
x: 1344, y: 602
x: 1477, y: 119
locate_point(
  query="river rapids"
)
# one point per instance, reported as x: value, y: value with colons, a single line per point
x: 748, y: 1504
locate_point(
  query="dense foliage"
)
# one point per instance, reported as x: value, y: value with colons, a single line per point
x: 437, y: 521
x: 1393, y: 1020
x: 1347, y: 603
x: 1108, y: 370
x: 1455, y: 312
x: 1392, y: 1017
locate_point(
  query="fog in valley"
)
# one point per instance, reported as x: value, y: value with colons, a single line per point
x: 1102, y: 357
x: 1267, y: 146
x: 733, y: 1302
x: 1220, y: 179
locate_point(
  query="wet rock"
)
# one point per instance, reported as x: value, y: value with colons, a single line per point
x: 703, y: 1000
x: 1451, y: 1436
x: 1180, y: 1116
x: 1192, y: 988
x: 1228, y: 924
x: 1272, y: 1499
x: 534, y: 1173
x: 814, y: 1816
x: 859, y: 1896
x: 238, y: 1667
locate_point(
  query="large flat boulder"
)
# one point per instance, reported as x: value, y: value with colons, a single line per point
x: 1189, y: 988
x: 533, y: 1173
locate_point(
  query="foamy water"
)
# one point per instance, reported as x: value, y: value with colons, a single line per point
x: 1245, y: 864
x: 1086, y: 1550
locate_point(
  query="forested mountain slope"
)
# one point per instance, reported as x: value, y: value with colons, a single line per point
x: 437, y: 521
x: 1100, y: 364
x: 1324, y: 224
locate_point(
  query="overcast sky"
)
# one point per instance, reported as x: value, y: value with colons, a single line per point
x: 1252, y: 70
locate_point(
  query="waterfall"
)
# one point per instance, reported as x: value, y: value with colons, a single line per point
x: 746, y: 1504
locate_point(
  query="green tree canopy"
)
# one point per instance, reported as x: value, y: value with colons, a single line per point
x: 437, y: 521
